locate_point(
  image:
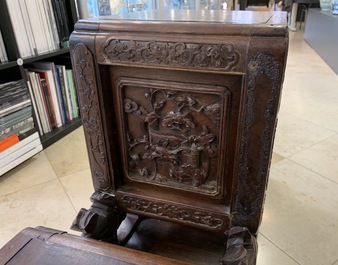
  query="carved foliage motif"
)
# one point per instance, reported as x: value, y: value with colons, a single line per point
x: 200, y: 217
x: 251, y: 190
x: 176, y: 145
x: 89, y: 108
x: 220, y: 56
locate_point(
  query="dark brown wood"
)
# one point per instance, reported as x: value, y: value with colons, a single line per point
x: 179, y: 112
x: 45, y: 246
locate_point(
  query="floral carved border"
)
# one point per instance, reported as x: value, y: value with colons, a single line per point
x: 218, y: 56
x: 173, y: 212
x: 90, y: 112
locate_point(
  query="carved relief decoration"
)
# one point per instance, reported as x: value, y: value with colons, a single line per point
x: 219, y: 56
x: 173, y: 137
x: 251, y: 190
x: 180, y: 213
x: 90, y: 114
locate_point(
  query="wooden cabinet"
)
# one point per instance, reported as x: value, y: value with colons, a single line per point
x: 179, y: 111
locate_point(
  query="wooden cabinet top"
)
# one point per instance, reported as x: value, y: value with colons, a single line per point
x: 192, y: 21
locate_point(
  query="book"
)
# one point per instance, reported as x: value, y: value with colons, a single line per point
x: 3, y: 53
x: 48, y: 102
x: 62, y: 103
x: 13, y: 118
x: 31, y: 76
x: 36, y: 112
x: 19, y: 152
x: 45, y: 102
x: 18, y: 24
x: 8, y: 142
x: 20, y: 113
x: 13, y: 108
x: 45, y: 70
x: 73, y: 94
x: 39, y: 26
x: 16, y: 128
x: 65, y: 91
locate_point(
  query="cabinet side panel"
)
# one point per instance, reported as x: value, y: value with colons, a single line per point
x: 86, y: 85
x: 265, y: 72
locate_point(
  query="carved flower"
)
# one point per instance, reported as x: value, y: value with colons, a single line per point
x: 174, y: 119
x: 214, y: 112
x: 130, y: 106
x: 159, y: 104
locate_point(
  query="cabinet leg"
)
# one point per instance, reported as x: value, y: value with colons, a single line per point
x: 241, y: 248
x: 102, y: 219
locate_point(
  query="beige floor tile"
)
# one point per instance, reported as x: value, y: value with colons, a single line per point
x: 44, y: 205
x: 300, y: 214
x: 294, y: 135
x: 79, y: 188
x: 32, y: 172
x: 276, y: 158
x: 269, y: 254
x: 69, y: 155
x: 321, y: 158
x: 321, y: 110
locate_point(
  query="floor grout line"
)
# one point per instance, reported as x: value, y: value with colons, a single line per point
x: 313, y: 171
x: 280, y: 248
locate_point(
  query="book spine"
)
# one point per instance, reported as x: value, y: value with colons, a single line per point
x: 49, y: 103
x: 59, y: 94
x: 36, y: 111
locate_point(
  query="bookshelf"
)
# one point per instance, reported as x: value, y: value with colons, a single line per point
x: 15, y: 69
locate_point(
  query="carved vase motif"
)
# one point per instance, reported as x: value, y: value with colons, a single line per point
x: 173, y: 136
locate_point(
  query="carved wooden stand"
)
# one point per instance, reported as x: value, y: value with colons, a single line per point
x: 179, y: 119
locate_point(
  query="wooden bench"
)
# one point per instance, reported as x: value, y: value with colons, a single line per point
x: 46, y: 246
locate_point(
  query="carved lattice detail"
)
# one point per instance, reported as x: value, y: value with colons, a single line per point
x: 165, y: 210
x: 219, y: 56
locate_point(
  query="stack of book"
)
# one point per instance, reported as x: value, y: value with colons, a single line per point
x: 39, y: 25
x: 3, y: 53
x: 19, y: 139
x: 53, y: 95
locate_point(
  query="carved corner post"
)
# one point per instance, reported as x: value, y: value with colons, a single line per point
x: 265, y: 73
x: 103, y: 218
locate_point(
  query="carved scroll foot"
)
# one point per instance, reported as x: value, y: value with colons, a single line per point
x: 102, y: 219
x: 241, y: 247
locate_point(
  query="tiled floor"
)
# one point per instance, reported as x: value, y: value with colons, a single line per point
x: 300, y: 222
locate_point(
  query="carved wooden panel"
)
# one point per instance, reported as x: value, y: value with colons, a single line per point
x: 87, y: 92
x: 175, y: 54
x: 174, y: 133
x: 194, y: 216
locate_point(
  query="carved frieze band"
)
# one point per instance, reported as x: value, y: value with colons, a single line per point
x: 219, y: 56
x: 162, y: 209
x: 251, y: 190
x: 90, y: 113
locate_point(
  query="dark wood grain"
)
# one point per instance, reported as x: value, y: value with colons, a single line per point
x: 44, y: 246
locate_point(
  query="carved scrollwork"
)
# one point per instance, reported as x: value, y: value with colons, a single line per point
x: 174, y: 147
x: 89, y: 108
x: 181, y: 213
x: 251, y: 190
x: 219, y: 56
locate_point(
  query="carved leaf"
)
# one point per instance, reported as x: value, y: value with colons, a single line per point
x: 151, y: 117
